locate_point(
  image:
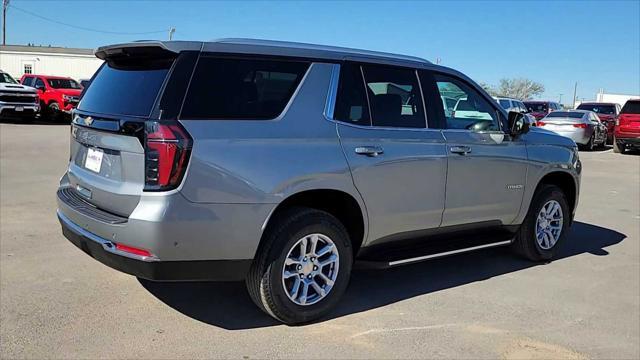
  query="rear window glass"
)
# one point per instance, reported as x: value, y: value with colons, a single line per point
x: 127, y: 88
x: 536, y: 107
x: 599, y: 109
x: 631, y: 107
x: 504, y: 103
x: 566, y: 114
x: 226, y: 88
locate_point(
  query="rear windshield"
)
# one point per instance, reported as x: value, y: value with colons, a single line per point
x: 537, y: 107
x: 504, y: 103
x: 230, y: 88
x: 566, y: 114
x: 631, y: 107
x: 63, y: 84
x: 128, y: 88
x: 599, y: 109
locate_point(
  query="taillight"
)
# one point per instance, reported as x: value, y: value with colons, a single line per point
x: 541, y: 123
x: 167, y: 148
x: 133, y: 250
x: 581, y: 126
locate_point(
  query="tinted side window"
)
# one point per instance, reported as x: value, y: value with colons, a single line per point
x: 227, y: 88
x: 394, y: 97
x: 351, y: 101
x: 471, y: 110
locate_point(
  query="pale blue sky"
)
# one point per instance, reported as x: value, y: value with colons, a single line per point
x: 555, y: 43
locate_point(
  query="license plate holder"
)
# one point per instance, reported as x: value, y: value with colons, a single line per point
x: 93, y: 160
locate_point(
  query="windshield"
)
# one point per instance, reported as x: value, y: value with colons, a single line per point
x: 631, y: 107
x: 566, y: 114
x: 126, y: 89
x: 537, y: 107
x: 7, y: 79
x: 599, y: 109
x: 63, y: 84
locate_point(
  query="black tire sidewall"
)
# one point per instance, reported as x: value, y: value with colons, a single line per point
x: 545, y: 195
x: 287, y: 310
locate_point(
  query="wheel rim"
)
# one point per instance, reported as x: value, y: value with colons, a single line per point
x: 549, y: 224
x: 310, y: 269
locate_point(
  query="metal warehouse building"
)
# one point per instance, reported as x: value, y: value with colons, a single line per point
x: 74, y: 63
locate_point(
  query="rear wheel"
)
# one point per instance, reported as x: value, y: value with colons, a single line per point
x: 545, y: 226
x: 618, y: 147
x: 302, y: 267
x: 53, y: 111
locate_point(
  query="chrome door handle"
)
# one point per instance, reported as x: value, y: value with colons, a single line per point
x: 462, y: 150
x: 369, y: 150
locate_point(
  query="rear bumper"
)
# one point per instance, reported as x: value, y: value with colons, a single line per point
x: 579, y: 136
x: 631, y: 141
x: 151, y: 268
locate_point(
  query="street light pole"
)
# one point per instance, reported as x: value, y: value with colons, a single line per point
x: 5, y: 5
x: 560, y: 100
x: 171, y: 31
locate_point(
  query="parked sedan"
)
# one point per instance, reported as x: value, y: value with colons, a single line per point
x: 607, y: 113
x: 583, y: 127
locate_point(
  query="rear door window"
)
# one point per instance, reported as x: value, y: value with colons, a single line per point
x: 394, y: 97
x: 126, y: 87
x: 232, y: 88
x: 351, y: 100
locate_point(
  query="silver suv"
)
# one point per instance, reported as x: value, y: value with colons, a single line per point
x: 283, y: 164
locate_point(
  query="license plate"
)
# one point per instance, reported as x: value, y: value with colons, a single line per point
x: 19, y: 108
x: 93, y: 161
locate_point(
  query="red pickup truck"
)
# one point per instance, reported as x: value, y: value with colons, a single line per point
x: 58, y: 95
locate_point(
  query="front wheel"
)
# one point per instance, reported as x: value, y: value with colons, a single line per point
x: 303, y: 266
x: 545, y: 226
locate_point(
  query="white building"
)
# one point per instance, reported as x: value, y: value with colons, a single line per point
x: 74, y: 63
x: 603, y: 97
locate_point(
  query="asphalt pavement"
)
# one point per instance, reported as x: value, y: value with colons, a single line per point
x: 56, y: 302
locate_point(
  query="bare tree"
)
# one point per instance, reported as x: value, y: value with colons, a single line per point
x: 519, y: 88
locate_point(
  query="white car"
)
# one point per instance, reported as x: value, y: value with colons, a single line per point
x: 16, y: 100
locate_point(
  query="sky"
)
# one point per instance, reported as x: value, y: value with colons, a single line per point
x: 555, y: 43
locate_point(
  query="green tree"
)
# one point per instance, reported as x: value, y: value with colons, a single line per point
x: 519, y: 88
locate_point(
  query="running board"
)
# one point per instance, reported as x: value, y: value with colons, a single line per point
x: 447, y: 253
x: 409, y: 255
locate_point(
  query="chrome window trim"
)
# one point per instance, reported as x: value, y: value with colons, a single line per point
x: 330, y: 104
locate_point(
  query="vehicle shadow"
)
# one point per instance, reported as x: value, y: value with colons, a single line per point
x: 227, y: 305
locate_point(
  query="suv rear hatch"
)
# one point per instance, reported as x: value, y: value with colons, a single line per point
x: 629, y: 118
x: 123, y: 139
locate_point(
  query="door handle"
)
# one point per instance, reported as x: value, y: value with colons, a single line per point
x: 462, y: 150
x: 369, y: 150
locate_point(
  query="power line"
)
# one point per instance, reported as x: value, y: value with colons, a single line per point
x: 84, y: 28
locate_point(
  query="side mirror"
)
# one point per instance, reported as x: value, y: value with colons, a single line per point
x: 518, y: 123
x: 40, y: 88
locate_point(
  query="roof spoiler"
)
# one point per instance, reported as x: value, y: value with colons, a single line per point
x: 127, y: 49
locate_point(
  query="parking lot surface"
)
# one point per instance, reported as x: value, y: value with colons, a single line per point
x: 57, y: 302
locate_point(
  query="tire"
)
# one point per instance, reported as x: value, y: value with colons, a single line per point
x: 53, y: 110
x: 590, y: 144
x: 618, y: 147
x: 282, y: 240
x: 526, y: 243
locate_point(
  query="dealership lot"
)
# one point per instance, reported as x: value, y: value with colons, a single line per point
x: 57, y: 302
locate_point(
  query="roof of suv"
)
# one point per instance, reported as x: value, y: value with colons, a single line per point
x: 268, y: 47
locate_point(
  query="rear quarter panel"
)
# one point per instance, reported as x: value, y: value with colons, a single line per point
x: 266, y: 161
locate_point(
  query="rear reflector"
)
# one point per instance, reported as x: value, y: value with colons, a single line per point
x: 167, y: 147
x: 132, y: 250
x: 541, y: 123
x: 581, y: 126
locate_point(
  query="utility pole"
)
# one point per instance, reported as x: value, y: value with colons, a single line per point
x: 5, y: 5
x: 560, y: 100
x: 171, y: 31
x: 575, y: 89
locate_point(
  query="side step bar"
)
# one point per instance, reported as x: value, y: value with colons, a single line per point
x: 428, y: 255
x: 446, y: 253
